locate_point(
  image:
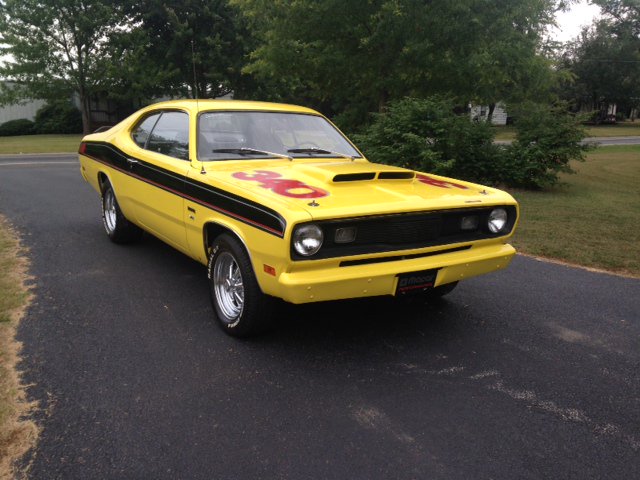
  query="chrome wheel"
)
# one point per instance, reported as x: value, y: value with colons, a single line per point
x: 228, y: 287
x: 109, y: 209
x: 240, y: 307
x: 118, y: 228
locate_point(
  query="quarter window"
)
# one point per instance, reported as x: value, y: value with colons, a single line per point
x: 169, y: 134
x: 141, y: 133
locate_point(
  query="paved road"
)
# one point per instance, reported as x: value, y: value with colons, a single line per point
x: 614, y: 140
x: 528, y: 373
x: 604, y: 141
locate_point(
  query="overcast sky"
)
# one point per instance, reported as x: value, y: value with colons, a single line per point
x: 571, y: 22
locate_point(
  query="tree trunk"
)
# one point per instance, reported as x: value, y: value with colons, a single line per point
x: 383, y: 99
x: 492, y: 107
x: 86, y: 113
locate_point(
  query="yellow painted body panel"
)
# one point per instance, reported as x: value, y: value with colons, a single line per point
x: 334, y: 282
x: 182, y: 221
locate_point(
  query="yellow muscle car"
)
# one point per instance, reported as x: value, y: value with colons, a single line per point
x: 277, y: 202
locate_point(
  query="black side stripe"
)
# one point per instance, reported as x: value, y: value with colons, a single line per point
x: 234, y: 206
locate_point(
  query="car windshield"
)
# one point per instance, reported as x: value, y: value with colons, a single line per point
x: 249, y: 135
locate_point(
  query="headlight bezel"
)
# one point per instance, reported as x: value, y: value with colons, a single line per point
x: 498, y: 220
x: 309, y: 232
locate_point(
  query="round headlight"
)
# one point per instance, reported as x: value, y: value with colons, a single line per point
x: 307, y: 239
x: 497, y: 220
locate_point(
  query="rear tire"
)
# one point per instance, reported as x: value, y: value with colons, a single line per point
x: 240, y: 307
x: 116, y: 225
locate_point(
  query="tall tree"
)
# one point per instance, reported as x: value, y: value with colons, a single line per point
x: 185, y: 48
x: 57, y: 48
x: 353, y: 56
x: 622, y: 12
x: 605, y: 59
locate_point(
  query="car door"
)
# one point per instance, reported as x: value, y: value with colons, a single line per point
x: 162, y: 168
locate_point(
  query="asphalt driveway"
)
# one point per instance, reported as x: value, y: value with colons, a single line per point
x: 532, y: 372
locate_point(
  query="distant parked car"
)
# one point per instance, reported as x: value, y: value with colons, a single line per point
x: 278, y: 203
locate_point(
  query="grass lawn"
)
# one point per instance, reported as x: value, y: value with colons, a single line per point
x: 504, y: 132
x: 626, y: 129
x: 16, y: 435
x: 622, y: 129
x: 40, y: 144
x: 592, y: 220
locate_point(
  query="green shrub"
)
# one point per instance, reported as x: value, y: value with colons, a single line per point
x: 58, y: 117
x: 21, y: 126
x: 547, y: 139
x: 426, y: 135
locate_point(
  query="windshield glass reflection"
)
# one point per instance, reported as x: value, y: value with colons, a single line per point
x: 242, y: 135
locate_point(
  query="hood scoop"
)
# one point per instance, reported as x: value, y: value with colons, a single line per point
x: 354, y: 177
x: 360, y: 176
x: 396, y: 175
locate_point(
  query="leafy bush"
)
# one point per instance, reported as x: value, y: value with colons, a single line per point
x: 426, y: 135
x: 547, y: 139
x: 21, y: 126
x: 58, y: 117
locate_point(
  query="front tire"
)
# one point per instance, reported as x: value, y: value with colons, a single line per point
x: 433, y: 295
x: 240, y: 307
x: 116, y: 225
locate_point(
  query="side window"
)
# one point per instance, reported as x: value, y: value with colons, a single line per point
x: 141, y: 133
x: 170, y: 136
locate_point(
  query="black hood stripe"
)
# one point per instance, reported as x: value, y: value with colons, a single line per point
x: 228, y: 204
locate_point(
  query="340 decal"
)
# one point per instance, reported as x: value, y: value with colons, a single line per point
x: 282, y: 186
x: 438, y: 183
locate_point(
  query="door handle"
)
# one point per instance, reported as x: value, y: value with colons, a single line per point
x: 132, y: 162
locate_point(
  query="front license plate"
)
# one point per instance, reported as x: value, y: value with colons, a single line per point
x: 416, y: 282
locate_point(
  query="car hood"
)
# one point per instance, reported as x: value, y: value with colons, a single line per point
x: 336, y: 189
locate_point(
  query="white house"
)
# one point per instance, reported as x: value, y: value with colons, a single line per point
x: 26, y: 110
x: 481, y: 112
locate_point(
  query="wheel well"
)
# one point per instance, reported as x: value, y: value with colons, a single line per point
x: 211, y: 232
x: 103, y: 180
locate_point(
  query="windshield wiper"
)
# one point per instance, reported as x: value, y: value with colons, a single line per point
x: 250, y: 151
x: 319, y: 151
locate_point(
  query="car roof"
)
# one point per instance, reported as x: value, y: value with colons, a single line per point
x: 209, y: 105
